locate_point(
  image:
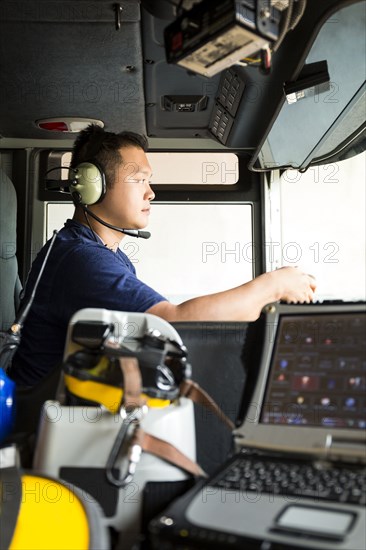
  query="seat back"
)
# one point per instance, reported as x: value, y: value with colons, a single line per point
x: 215, y: 351
x: 9, y: 280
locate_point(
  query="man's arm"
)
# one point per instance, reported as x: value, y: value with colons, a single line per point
x: 245, y: 302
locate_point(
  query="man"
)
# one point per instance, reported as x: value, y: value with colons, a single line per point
x: 86, y: 267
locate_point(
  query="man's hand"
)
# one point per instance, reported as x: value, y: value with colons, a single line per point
x: 295, y: 285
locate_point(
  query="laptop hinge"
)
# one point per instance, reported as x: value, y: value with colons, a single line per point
x: 345, y: 447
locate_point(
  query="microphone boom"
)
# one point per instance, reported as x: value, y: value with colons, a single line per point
x: 131, y: 232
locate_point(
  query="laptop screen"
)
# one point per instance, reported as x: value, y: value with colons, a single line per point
x: 317, y: 371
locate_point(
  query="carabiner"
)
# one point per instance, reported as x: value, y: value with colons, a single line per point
x: 134, y: 451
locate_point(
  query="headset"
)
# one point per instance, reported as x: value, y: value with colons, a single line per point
x: 87, y: 186
x: 86, y: 183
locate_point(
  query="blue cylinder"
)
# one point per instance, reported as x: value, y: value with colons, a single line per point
x: 7, y: 405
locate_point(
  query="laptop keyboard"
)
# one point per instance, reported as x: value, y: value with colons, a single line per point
x: 295, y: 478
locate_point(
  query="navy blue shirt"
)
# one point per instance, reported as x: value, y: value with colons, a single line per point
x: 80, y: 272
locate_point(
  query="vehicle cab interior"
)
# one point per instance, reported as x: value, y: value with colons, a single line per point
x: 251, y: 434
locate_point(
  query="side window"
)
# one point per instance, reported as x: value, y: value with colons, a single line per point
x: 194, y: 249
x: 322, y: 226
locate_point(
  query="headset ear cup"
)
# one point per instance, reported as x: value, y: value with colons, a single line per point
x: 90, y: 186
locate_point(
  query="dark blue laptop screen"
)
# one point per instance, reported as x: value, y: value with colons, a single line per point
x: 317, y: 375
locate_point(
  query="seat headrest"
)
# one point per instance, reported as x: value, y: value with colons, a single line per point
x: 8, y: 217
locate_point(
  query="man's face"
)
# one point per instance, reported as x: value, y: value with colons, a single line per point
x: 127, y: 203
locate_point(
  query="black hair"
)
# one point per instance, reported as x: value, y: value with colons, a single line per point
x: 95, y: 144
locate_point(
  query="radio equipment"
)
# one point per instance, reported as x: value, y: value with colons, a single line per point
x: 214, y: 35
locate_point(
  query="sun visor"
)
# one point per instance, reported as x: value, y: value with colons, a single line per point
x: 322, y: 114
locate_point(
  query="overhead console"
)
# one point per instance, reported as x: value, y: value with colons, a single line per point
x: 283, y: 79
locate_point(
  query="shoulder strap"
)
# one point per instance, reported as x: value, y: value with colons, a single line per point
x: 193, y: 391
x: 167, y: 451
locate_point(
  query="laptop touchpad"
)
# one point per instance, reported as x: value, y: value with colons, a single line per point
x: 316, y: 521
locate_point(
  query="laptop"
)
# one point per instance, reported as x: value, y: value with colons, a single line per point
x: 297, y: 478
